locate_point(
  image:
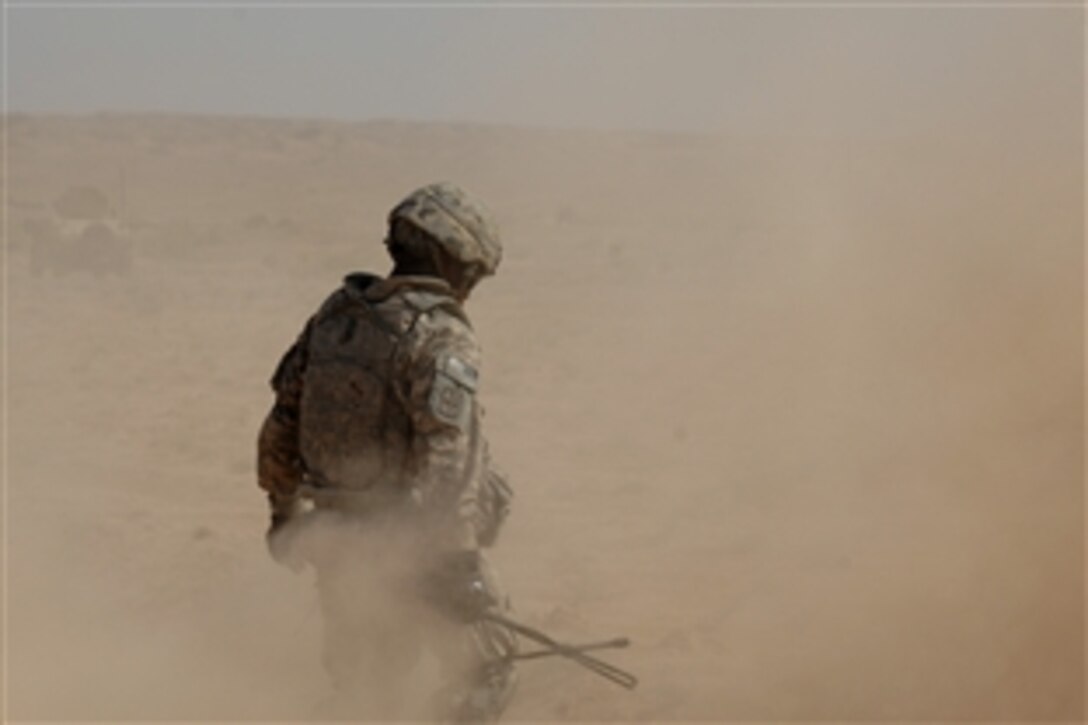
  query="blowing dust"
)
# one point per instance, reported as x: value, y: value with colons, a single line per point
x: 804, y: 421
x: 389, y: 647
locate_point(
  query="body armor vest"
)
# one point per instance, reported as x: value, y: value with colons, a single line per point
x: 354, y: 434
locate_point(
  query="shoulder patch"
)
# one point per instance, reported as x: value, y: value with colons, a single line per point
x: 452, y: 391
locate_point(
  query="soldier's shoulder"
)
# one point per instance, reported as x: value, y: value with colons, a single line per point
x: 336, y: 300
x: 444, y: 308
x: 432, y: 306
x: 442, y: 329
x: 353, y: 290
x: 450, y: 323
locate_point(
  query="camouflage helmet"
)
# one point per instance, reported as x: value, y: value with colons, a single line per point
x: 459, y: 224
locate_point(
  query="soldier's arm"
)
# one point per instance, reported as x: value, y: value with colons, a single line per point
x: 279, y: 464
x: 495, y: 499
x: 448, y: 447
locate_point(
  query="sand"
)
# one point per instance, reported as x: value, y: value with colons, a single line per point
x: 802, y: 418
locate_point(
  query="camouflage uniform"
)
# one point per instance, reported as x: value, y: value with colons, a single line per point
x: 376, y: 421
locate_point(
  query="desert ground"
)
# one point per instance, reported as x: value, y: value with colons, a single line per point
x: 803, y: 418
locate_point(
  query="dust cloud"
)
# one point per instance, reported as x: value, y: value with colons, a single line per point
x: 803, y: 420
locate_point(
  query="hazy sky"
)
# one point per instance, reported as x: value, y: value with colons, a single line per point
x: 806, y: 70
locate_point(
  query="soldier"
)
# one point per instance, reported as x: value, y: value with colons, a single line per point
x: 376, y: 426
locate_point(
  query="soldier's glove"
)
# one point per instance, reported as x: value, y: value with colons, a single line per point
x: 281, y: 537
x: 456, y: 586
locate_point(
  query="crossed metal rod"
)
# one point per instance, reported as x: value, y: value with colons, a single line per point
x: 576, y: 653
x: 617, y: 643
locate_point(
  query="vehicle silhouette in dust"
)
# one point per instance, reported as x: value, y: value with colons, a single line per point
x: 83, y: 234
